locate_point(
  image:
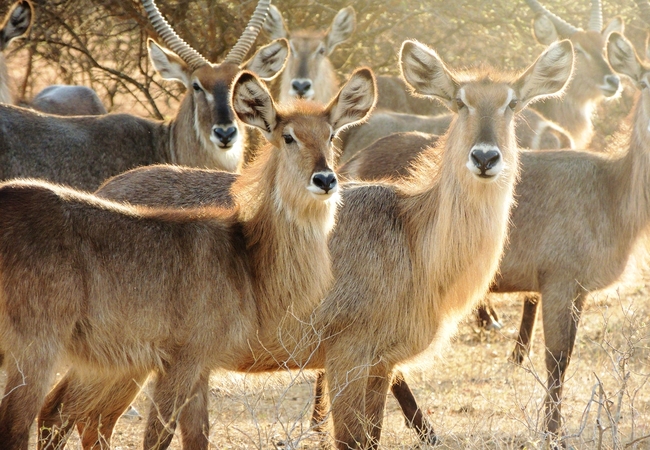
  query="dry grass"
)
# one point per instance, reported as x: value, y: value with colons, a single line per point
x: 475, y: 398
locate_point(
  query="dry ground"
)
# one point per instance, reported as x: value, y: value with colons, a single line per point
x: 475, y: 398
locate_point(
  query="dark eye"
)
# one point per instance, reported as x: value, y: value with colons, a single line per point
x: 331, y: 137
x: 196, y: 87
x: 321, y: 51
x: 288, y: 139
x: 459, y: 103
x: 643, y: 84
x: 513, y: 103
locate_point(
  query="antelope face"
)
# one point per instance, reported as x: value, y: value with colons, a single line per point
x: 307, y: 61
x: 593, y: 74
x: 486, y: 111
x: 309, y: 73
x: 481, y: 137
x: 303, y: 131
x: 214, y: 118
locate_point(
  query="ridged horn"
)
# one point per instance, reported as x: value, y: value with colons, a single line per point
x: 193, y: 58
x: 596, y: 17
x: 644, y: 10
x: 563, y: 28
x: 247, y: 39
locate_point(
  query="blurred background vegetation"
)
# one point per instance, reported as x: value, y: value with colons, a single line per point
x: 102, y: 43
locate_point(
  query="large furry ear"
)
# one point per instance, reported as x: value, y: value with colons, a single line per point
x: 617, y: 24
x: 426, y: 73
x: 548, y: 75
x: 274, y: 25
x: 342, y: 28
x: 622, y: 57
x: 354, y: 101
x: 169, y: 65
x: 16, y: 23
x: 268, y: 61
x: 253, y: 104
x: 543, y: 30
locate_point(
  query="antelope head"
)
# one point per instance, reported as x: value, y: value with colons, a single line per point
x: 309, y: 72
x: 16, y: 24
x: 303, y: 132
x: 481, y: 137
x: 206, y: 108
x: 593, y: 76
x: 624, y: 60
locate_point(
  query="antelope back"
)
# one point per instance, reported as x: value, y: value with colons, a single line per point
x: 481, y: 136
x: 16, y: 23
x: 309, y: 73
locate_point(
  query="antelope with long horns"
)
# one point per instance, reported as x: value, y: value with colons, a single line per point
x: 84, y: 151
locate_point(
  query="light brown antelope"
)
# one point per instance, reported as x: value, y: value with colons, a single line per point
x: 577, y: 219
x: 593, y: 80
x: 84, y: 151
x: 393, y: 232
x: 222, y: 291
x: 309, y: 73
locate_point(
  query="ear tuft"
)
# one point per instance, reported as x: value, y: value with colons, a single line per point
x: 274, y: 25
x: 268, y: 61
x: 169, y: 65
x: 342, y: 28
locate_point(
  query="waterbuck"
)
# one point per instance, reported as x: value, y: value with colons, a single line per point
x: 84, y: 151
x: 309, y: 73
x: 577, y: 219
x: 222, y: 292
x: 395, y: 277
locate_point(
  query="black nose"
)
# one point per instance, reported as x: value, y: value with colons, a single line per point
x: 324, y: 180
x: 613, y: 81
x: 484, y: 161
x: 225, y: 135
x: 301, y: 86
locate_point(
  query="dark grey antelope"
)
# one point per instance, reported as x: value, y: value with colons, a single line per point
x: 84, y: 151
x: 386, y: 249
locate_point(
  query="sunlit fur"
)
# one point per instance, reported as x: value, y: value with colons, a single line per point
x: 122, y: 290
x: 588, y: 88
x: 273, y: 186
x: 409, y: 260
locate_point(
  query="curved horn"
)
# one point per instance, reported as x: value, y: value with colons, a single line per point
x: 171, y: 39
x: 563, y: 28
x: 644, y: 10
x: 246, y: 40
x: 596, y: 18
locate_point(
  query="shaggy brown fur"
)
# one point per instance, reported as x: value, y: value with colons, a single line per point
x: 122, y: 291
x: 577, y: 218
x: 387, y: 233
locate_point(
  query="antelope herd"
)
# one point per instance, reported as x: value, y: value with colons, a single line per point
x: 133, y: 248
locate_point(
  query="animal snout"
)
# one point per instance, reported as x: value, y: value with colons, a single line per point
x: 325, y: 181
x: 301, y: 86
x: 225, y: 135
x: 612, y: 82
x: 484, y: 163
